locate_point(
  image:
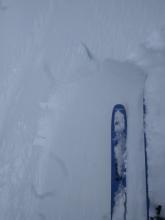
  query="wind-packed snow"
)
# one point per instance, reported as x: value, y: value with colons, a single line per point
x: 151, y: 57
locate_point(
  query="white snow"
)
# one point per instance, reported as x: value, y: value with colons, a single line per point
x: 119, y: 122
x: 119, y: 207
x: 56, y: 100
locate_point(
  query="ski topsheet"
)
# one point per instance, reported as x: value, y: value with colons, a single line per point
x: 118, y: 163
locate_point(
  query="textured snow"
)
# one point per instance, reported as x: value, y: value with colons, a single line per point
x: 55, y: 105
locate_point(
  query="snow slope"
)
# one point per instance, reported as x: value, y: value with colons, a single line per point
x: 38, y: 81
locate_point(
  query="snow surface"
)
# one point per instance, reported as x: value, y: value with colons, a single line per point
x: 40, y: 178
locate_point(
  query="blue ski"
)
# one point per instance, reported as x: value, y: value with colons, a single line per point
x: 146, y: 164
x: 118, y: 163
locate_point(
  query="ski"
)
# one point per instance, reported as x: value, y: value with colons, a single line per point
x: 146, y: 164
x: 118, y: 163
x: 155, y: 214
